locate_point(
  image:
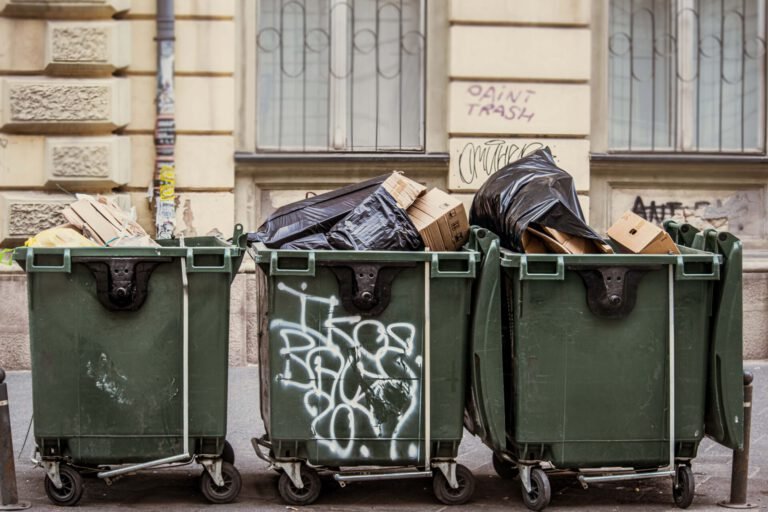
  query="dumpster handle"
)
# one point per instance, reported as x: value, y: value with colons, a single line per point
x: 558, y: 275
x: 66, y: 263
x: 711, y: 276
x: 436, y: 272
x: 275, y: 270
x: 225, y: 267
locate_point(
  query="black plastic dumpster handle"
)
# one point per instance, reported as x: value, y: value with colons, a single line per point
x: 558, y: 275
x: 66, y: 261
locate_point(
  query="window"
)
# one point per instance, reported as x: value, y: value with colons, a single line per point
x: 687, y: 76
x: 340, y: 75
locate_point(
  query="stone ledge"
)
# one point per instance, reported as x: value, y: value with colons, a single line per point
x: 23, y: 214
x: 188, y: 8
x: 64, y: 9
x: 44, y: 105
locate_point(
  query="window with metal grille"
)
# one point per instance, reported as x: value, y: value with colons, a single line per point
x: 340, y: 75
x: 687, y: 76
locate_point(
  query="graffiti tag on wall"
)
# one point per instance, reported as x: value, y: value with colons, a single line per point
x: 738, y: 213
x: 500, y: 100
x: 356, y: 377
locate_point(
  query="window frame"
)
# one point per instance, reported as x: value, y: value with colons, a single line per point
x: 434, y: 118
x: 600, y: 123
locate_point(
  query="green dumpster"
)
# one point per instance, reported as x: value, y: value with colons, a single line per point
x: 129, y: 350
x: 365, y: 365
x: 597, y: 351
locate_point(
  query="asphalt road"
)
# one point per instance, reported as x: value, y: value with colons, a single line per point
x: 177, y: 489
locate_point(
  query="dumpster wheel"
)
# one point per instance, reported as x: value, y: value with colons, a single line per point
x: 505, y: 469
x: 447, y: 494
x: 686, y: 487
x: 225, y: 493
x: 540, y: 494
x: 304, y: 496
x: 71, y: 487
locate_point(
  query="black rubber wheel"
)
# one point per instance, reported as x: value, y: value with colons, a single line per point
x: 228, y: 453
x: 305, y: 496
x: 504, y: 468
x: 227, y: 492
x: 447, y: 494
x: 72, y: 487
x: 686, y: 487
x: 540, y: 493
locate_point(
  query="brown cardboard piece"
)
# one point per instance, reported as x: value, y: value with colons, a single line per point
x: 404, y: 190
x: 441, y: 220
x: 550, y: 240
x: 638, y: 236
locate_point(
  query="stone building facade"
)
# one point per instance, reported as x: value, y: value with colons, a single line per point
x: 276, y: 100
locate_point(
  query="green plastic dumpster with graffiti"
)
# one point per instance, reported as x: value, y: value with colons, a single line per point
x: 129, y: 349
x: 365, y: 366
x: 612, y: 366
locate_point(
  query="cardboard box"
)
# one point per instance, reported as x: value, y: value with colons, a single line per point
x: 404, y: 190
x: 441, y: 220
x: 553, y: 241
x: 638, y: 236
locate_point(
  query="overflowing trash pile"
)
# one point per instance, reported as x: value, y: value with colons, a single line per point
x: 531, y: 204
x: 94, y: 222
x: 386, y: 213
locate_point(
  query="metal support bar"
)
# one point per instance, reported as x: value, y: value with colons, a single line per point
x: 671, y: 300
x: 341, y: 477
x: 184, y: 456
x: 740, y: 464
x: 627, y: 476
x: 427, y: 368
x: 9, y: 495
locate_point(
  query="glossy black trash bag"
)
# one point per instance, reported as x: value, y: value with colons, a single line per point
x: 313, y: 215
x: 377, y: 224
x: 532, y: 190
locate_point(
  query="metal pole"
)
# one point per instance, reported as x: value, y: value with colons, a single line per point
x: 740, y: 465
x: 9, y: 495
x: 164, y: 181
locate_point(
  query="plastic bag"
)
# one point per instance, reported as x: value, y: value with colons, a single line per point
x: 59, y: 237
x: 532, y: 190
x: 377, y: 224
x: 316, y: 242
x: 313, y: 215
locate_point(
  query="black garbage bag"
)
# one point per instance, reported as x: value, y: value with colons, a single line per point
x: 532, y: 190
x: 313, y: 215
x: 317, y: 242
x: 377, y: 224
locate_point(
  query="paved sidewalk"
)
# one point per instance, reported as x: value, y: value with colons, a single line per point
x: 177, y: 490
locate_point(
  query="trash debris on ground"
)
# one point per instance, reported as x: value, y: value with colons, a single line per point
x: 636, y: 235
x: 94, y: 222
x: 441, y: 220
x: 532, y: 191
x: 313, y: 215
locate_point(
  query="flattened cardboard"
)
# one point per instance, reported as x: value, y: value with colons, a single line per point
x: 402, y: 189
x: 576, y: 244
x: 638, y: 236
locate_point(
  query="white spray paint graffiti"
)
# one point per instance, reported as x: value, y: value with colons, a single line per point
x: 359, y: 379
